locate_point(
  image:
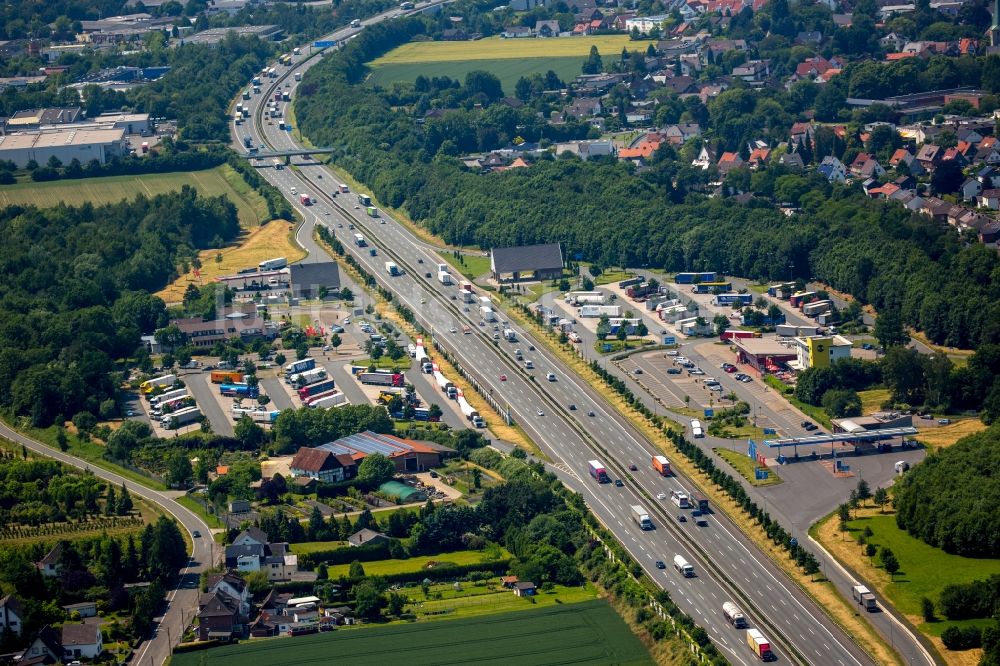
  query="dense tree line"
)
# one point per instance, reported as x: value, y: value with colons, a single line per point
x: 76, y: 296
x: 39, y: 491
x: 951, y: 500
x: 311, y: 427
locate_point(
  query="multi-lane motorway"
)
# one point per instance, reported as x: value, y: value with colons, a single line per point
x: 728, y: 566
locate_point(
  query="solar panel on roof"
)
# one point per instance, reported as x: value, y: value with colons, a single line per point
x: 367, y: 445
x: 335, y: 448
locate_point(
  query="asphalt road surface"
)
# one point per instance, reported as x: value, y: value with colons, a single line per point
x: 728, y: 566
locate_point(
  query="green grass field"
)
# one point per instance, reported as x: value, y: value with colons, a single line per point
x: 472, y: 266
x: 508, y: 59
x: 744, y: 466
x: 924, y: 570
x: 210, y: 182
x: 584, y: 633
x: 385, y: 567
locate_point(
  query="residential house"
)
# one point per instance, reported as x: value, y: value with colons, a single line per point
x: 929, y: 155
x: 892, y: 42
x: 729, y: 161
x: 989, y: 199
x: 639, y: 154
x: 865, y: 166
x: 45, y: 648
x: 324, y: 466
x: 584, y: 107
x: 81, y: 641
x: 586, y: 149
x: 832, y: 169
x: 954, y: 155
x: 508, y: 582
x: 516, y: 31
x: 753, y: 71
x: 219, y: 617
x: 11, y: 615
x: 990, y: 233
x: 232, y: 585
x: 251, y: 551
x: 758, y: 157
x: 705, y: 159
x: 812, y: 37
x: 677, y: 134
x: 792, y: 161
x: 366, y: 537
x: 50, y: 564
x: 546, y: 28
x: 971, y: 189
x: 681, y: 85
x: 800, y: 134
x: 711, y: 92
x: 886, y: 191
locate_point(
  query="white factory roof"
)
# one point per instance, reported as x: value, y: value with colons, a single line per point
x: 60, y: 138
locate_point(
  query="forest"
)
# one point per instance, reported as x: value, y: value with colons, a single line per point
x: 951, y: 500
x: 879, y: 252
x: 76, y: 296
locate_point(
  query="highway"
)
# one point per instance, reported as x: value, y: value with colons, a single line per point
x: 728, y: 566
x: 182, y: 601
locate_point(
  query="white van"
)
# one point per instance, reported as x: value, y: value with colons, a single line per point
x: 696, y: 429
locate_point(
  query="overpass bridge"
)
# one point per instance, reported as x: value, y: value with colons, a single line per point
x: 264, y: 154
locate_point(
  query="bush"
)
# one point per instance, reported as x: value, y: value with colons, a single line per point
x: 957, y: 638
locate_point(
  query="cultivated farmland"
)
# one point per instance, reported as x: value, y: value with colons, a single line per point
x: 508, y: 59
x: 584, y: 633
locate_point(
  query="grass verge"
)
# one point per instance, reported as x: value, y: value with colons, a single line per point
x: 471, y: 266
x: 924, y: 570
x: 199, y: 510
x: 745, y: 468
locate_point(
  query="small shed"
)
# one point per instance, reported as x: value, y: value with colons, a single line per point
x: 84, y: 608
x: 524, y: 589
x: 404, y: 493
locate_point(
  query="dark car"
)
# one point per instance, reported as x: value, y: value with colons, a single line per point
x: 618, y: 483
x: 590, y: 413
x: 633, y: 467
x: 808, y: 426
x: 427, y: 275
x: 673, y: 371
x: 660, y: 564
x: 681, y: 517
x: 572, y: 407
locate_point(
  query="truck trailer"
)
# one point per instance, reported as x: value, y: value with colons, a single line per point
x: 239, y: 390
x: 683, y: 567
x: 863, y: 596
x: 661, y: 465
x: 305, y: 199
x: 335, y: 399
x: 151, y: 385
x: 272, y: 264
x: 444, y: 277
x: 296, y: 367
x: 760, y: 645
x: 314, y: 389
x: 382, y: 378
x: 734, y: 615
x: 509, y: 335
x: 641, y: 517
x: 256, y: 415
x: 597, y: 470
x: 180, y: 418
x: 306, y: 378
x: 168, y: 396
x: 226, y: 377
x: 391, y: 268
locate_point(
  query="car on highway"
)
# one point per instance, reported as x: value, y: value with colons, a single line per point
x: 294, y: 190
x: 452, y: 329
x: 427, y: 274
x: 633, y: 468
x: 672, y: 352
x: 503, y: 378
x: 196, y: 534
x: 661, y: 496
x: 572, y: 407
x: 660, y: 564
x: 590, y: 413
x: 618, y: 483
x: 541, y: 413
x: 357, y: 207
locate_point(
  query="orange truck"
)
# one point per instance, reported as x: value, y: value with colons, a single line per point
x: 227, y: 377
x: 661, y: 465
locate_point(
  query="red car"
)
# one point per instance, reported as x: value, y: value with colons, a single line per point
x: 731, y: 369
x: 503, y: 378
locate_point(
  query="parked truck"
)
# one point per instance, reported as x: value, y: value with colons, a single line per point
x: 641, y: 517
x: 696, y: 429
x: 300, y: 366
x: 151, y: 385
x: 815, y: 308
x: 683, y: 567
x: 760, y: 645
x: 734, y: 615
x: 272, y: 264
x: 391, y: 268
x: 335, y: 399
x: 239, y: 390
x: 661, y: 465
x: 306, y: 378
x: 180, y: 418
x: 256, y: 415
x: 598, y: 471
x: 382, y: 378
x: 226, y: 377
x: 314, y: 389
x: 864, y: 597
x: 169, y: 395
